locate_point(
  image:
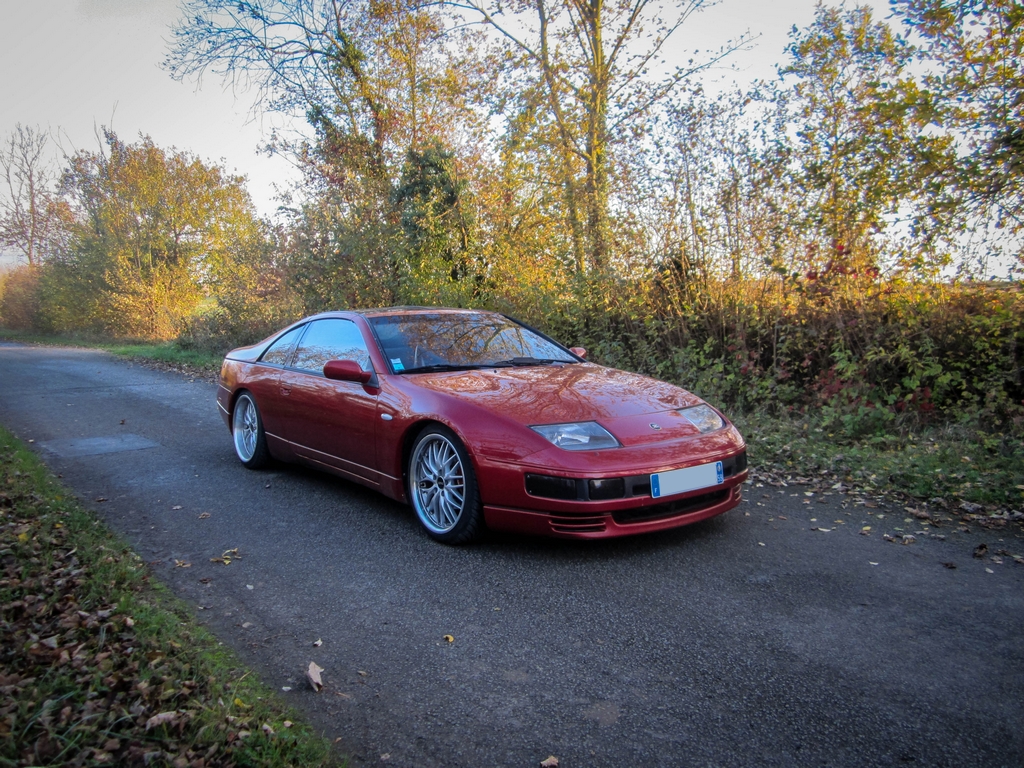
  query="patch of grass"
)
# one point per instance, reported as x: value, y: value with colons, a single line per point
x: 169, y: 353
x: 102, y: 666
x: 956, y: 462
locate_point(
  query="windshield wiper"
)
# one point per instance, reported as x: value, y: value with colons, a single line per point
x: 532, y: 361
x: 438, y: 367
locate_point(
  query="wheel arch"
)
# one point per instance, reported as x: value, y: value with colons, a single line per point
x: 413, y: 432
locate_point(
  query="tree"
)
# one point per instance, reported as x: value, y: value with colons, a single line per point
x: 974, y: 92
x: 375, y: 81
x: 32, y: 219
x: 435, y: 220
x: 861, y: 158
x: 584, y: 71
x: 153, y: 230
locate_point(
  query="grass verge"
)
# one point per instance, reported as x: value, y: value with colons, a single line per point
x: 102, y: 666
x: 962, y: 468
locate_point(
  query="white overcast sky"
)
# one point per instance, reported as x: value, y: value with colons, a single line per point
x: 76, y: 65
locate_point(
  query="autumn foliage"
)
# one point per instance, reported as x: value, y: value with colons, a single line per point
x: 829, y: 240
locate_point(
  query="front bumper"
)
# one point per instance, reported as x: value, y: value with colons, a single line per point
x: 608, y: 523
x: 566, y: 502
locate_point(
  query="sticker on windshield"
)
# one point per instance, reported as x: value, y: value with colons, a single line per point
x: 396, y: 363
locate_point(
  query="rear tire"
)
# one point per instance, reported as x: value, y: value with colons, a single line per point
x: 442, y: 487
x: 247, y: 432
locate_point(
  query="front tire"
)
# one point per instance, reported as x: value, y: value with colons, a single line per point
x: 247, y: 432
x: 442, y: 487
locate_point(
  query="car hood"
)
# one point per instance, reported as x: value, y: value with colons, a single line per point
x: 623, y: 402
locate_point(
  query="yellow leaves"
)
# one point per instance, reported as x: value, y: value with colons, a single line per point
x: 240, y: 704
x: 449, y: 639
x: 227, y: 557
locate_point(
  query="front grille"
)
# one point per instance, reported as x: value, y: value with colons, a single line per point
x: 671, y: 508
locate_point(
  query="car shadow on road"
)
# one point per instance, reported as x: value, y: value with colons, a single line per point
x: 366, y: 508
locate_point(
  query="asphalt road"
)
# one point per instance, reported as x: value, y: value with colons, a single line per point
x: 748, y: 640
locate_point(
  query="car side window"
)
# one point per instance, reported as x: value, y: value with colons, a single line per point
x: 333, y: 339
x: 279, y: 352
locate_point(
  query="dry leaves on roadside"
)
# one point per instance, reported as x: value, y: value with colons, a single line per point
x: 227, y: 557
x: 313, y: 675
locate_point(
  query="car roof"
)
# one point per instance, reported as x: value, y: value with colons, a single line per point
x: 403, y: 310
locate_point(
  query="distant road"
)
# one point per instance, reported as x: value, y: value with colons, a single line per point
x: 749, y: 640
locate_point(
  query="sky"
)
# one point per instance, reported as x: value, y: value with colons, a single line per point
x: 75, y: 66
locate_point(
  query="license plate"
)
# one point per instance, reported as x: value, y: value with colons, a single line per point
x: 688, y: 479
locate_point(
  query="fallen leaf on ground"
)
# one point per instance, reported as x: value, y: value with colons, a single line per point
x: 449, y: 638
x: 951, y: 566
x: 162, y: 719
x: 176, y: 506
x: 551, y: 762
x: 226, y: 558
x: 980, y: 550
x: 204, y: 515
x: 318, y: 643
x: 182, y: 564
x: 313, y: 675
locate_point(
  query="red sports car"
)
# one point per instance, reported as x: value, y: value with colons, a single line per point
x: 478, y: 420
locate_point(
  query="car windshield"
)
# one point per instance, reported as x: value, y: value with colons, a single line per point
x: 455, y: 340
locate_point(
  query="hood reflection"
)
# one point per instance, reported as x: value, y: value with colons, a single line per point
x: 561, y: 393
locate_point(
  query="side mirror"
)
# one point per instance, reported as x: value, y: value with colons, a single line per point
x: 346, y: 370
x: 579, y: 352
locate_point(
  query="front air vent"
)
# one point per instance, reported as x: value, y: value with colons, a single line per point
x: 564, y: 524
x: 671, y: 508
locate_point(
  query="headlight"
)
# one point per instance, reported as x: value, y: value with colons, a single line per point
x: 586, y: 436
x: 703, y: 417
